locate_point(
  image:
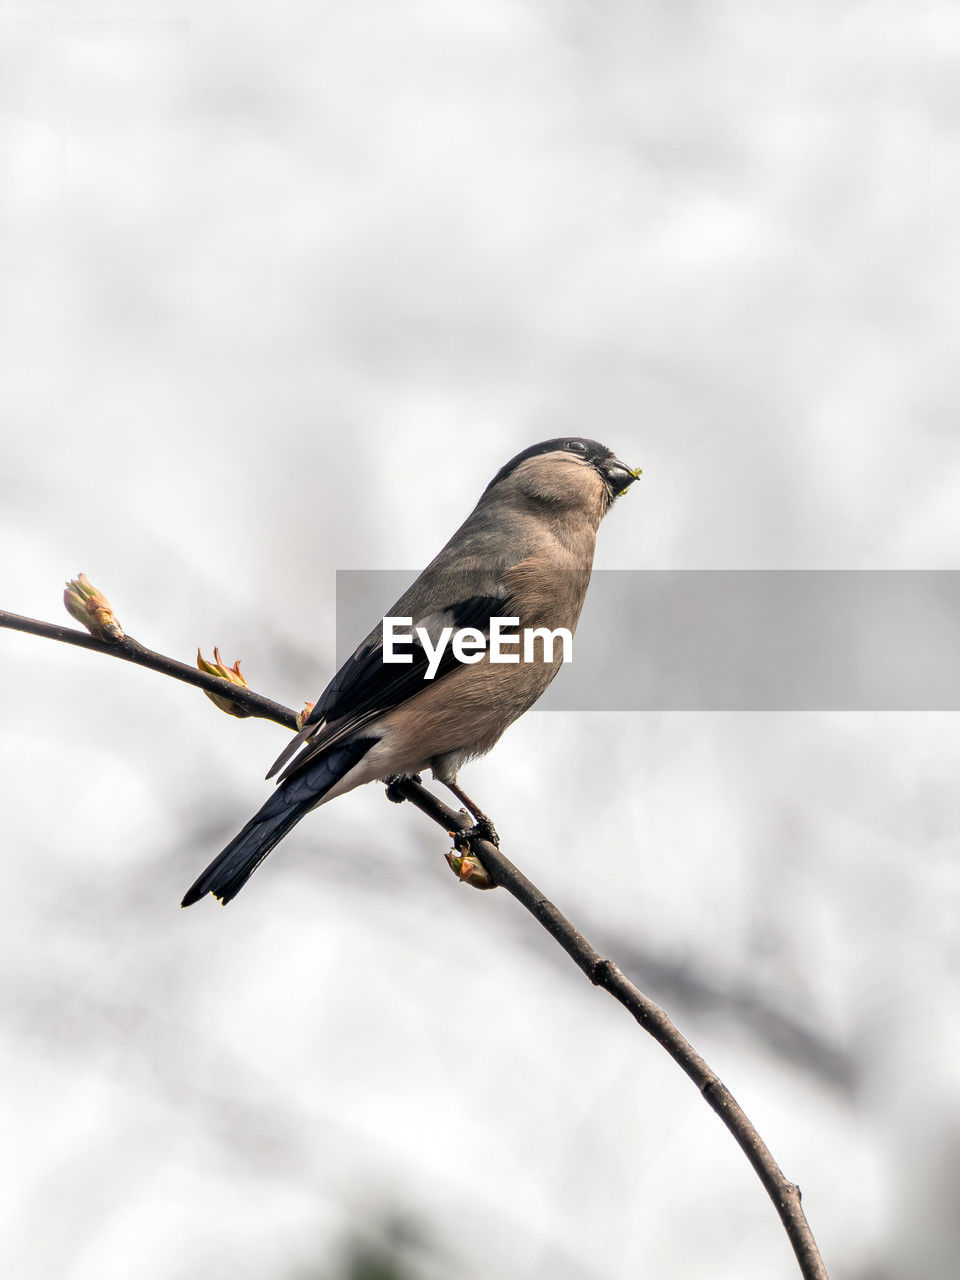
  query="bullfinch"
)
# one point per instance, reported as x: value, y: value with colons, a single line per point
x: 525, y: 553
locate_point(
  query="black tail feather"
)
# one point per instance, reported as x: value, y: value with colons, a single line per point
x: 232, y: 868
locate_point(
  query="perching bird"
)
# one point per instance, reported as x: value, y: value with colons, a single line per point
x: 526, y: 552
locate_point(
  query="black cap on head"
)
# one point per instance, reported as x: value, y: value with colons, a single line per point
x: 590, y: 450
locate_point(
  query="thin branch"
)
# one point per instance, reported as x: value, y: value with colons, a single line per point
x: 130, y: 650
x: 602, y: 973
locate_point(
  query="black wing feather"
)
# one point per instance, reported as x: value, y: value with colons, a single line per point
x: 365, y: 686
x: 366, y: 683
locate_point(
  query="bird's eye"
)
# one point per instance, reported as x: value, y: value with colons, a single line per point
x: 576, y: 446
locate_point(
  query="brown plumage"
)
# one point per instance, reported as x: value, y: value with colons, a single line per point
x: 526, y: 552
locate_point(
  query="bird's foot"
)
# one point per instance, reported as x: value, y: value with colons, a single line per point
x: 393, y: 790
x: 463, y: 862
x: 482, y: 829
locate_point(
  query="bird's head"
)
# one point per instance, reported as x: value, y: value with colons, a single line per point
x: 568, y: 473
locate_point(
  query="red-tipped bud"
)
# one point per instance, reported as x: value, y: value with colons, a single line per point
x: 304, y: 715
x: 232, y: 675
x: 469, y: 870
x: 91, y: 608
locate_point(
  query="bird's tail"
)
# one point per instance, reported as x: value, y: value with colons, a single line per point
x: 293, y: 799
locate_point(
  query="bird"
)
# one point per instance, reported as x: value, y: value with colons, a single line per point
x: 525, y: 552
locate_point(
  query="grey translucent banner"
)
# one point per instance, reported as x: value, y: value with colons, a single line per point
x: 732, y: 640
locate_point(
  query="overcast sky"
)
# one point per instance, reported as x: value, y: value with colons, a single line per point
x: 282, y: 287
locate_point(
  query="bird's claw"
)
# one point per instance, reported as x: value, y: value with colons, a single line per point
x: 482, y: 829
x: 393, y: 786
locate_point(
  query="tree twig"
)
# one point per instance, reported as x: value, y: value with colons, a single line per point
x: 601, y: 972
x: 130, y: 650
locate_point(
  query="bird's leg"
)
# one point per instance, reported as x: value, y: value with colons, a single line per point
x: 483, y: 827
x: 392, y: 792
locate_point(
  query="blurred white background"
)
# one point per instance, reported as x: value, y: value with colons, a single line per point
x: 282, y: 287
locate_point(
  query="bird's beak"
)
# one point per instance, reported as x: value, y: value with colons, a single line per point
x: 618, y: 476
